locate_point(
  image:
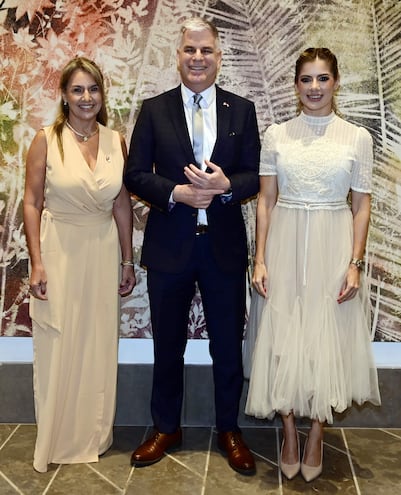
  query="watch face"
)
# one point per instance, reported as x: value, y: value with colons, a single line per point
x: 357, y: 263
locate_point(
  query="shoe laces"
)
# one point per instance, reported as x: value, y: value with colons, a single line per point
x: 236, y: 440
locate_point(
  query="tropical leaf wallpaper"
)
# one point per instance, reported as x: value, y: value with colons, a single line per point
x: 134, y: 42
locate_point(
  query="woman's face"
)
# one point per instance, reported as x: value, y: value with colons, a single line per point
x: 315, y: 87
x: 83, y: 95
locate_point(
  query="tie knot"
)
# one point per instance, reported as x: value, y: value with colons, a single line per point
x: 197, y: 99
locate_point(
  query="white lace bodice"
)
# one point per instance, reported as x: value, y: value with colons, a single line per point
x: 318, y: 159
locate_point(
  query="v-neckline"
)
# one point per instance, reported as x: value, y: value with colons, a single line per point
x: 92, y: 170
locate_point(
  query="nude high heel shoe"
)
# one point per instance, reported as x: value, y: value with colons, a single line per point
x: 290, y: 470
x: 310, y: 473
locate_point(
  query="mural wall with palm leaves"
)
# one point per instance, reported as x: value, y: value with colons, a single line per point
x: 135, y: 41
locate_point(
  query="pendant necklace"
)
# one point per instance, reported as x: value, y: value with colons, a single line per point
x: 84, y: 137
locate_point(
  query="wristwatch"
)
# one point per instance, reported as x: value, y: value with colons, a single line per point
x: 357, y: 262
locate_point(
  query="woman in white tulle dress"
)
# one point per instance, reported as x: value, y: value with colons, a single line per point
x: 313, y: 352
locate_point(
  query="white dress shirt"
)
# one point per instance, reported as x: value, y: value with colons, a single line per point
x: 208, y: 105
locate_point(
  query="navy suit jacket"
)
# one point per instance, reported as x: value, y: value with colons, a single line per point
x: 160, y: 148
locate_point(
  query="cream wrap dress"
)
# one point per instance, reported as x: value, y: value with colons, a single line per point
x: 75, y: 332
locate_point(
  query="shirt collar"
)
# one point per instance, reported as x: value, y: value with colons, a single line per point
x: 208, y: 96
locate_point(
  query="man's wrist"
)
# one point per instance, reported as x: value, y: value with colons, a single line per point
x: 228, y: 189
x: 227, y: 196
x: 171, y: 201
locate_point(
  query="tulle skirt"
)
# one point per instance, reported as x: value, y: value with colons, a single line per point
x: 312, y: 355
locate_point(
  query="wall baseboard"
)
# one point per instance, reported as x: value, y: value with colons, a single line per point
x: 140, y: 351
x: 134, y: 389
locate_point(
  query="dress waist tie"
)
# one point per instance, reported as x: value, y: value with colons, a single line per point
x: 308, y: 206
x: 79, y: 219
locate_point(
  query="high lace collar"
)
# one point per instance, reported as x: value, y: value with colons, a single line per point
x: 317, y: 121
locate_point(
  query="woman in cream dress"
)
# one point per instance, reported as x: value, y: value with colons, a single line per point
x: 313, y: 353
x: 78, y: 224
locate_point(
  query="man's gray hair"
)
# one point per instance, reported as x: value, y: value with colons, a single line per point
x: 199, y: 24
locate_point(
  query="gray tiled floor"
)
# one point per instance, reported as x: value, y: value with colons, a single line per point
x: 356, y: 461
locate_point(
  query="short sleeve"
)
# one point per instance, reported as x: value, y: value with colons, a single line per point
x: 268, y: 154
x: 361, y: 178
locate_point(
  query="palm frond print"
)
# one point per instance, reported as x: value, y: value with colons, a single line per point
x: 135, y: 44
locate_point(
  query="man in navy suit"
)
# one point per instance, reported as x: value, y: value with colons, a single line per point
x: 195, y: 233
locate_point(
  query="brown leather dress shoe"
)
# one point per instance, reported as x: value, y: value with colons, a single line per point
x: 153, y: 449
x: 239, y: 456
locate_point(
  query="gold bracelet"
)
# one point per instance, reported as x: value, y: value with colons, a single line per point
x: 127, y: 263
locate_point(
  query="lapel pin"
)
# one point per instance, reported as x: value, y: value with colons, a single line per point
x: 225, y: 104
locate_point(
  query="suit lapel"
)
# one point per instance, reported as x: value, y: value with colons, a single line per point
x: 177, y: 114
x: 223, y: 115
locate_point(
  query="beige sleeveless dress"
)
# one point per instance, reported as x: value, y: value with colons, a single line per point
x: 75, y: 332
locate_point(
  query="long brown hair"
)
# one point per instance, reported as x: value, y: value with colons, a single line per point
x: 310, y: 55
x: 86, y: 65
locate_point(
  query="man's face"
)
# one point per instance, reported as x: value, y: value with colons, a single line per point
x: 198, y: 59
